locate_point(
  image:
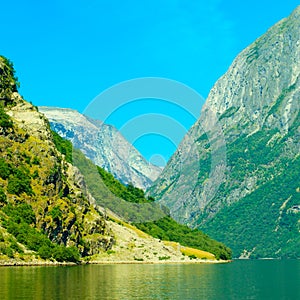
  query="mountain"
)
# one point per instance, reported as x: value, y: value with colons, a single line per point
x: 164, y: 227
x: 236, y: 174
x: 57, y: 206
x: 104, y: 145
x: 44, y: 205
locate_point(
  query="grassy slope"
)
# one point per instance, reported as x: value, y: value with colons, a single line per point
x: 110, y: 193
x: 165, y: 228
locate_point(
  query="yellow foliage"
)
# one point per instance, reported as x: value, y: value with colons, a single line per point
x: 174, y: 245
x: 190, y: 251
x: 196, y: 252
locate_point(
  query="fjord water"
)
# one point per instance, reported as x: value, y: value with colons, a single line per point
x: 248, y: 279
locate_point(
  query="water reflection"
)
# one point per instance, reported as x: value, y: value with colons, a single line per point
x: 239, y: 280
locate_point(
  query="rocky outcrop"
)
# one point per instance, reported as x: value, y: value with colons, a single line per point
x: 62, y: 210
x: 239, y: 163
x: 104, y: 145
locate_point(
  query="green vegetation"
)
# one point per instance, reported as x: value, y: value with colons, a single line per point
x: 65, y: 147
x: 5, y: 121
x: 20, y: 182
x: 5, y: 169
x: 8, y: 81
x: 166, y: 228
x: 281, y: 98
x: 112, y: 199
x: 253, y: 54
x: 229, y: 112
x: 245, y: 157
x: 19, y: 179
x: 128, y: 193
x: 138, y: 259
x: 19, y: 221
x: 169, y: 230
x: 164, y: 257
x: 42, y: 210
x: 56, y: 213
x: 248, y: 224
x: 3, y: 198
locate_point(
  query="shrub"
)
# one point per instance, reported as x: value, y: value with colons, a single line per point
x: 3, y: 198
x: 35, y: 174
x: 8, y: 81
x: 45, y: 252
x: 18, y: 223
x: 21, y: 213
x: 20, y: 182
x: 62, y: 253
x: 5, y: 121
x: 56, y: 213
x: 5, y: 169
x: 9, y: 252
x: 15, y: 247
x: 36, y: 161
x: 63, y: 146
x: 164, y: 257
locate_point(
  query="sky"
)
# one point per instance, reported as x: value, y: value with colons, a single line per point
x: 70, y: 53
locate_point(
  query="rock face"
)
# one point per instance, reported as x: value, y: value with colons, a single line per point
x: 104, y: 145
x: 236, y: 173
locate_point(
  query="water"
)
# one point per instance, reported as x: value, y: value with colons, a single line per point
x: 263, y: 279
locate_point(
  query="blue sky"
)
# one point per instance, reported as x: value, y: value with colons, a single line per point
x: 68, y: 52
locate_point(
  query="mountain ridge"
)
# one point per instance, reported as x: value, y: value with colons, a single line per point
x: 104, y: 145
x: 246, y: 138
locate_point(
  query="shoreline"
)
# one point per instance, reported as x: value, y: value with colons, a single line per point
x: 121, y: 262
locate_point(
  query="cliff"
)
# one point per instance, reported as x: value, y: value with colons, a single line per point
x: 236, y: 173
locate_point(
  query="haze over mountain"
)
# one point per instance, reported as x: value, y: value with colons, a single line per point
x: 236, y: 174
x: 104, y: 145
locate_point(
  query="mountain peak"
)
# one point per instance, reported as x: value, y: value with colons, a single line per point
x: 104, y: 145
x: 241, y: 158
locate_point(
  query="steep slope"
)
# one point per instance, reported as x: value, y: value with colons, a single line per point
x: 47, y: 213
x: 161, y: 237
x: 165, y: 228
x: 236, y: 174
x: 43, y: 207
x: 104, y: 145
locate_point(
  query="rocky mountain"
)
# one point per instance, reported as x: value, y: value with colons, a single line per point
x: 104, y: 145
x: 236, y: 174
x: 44, y: 205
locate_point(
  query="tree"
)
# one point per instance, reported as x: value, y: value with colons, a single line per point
x: 3, y: 198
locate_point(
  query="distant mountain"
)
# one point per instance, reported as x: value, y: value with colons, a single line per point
x: 104, y: 145
x: 236, y: 174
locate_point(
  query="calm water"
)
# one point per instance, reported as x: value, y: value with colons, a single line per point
x: 266, y: 279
